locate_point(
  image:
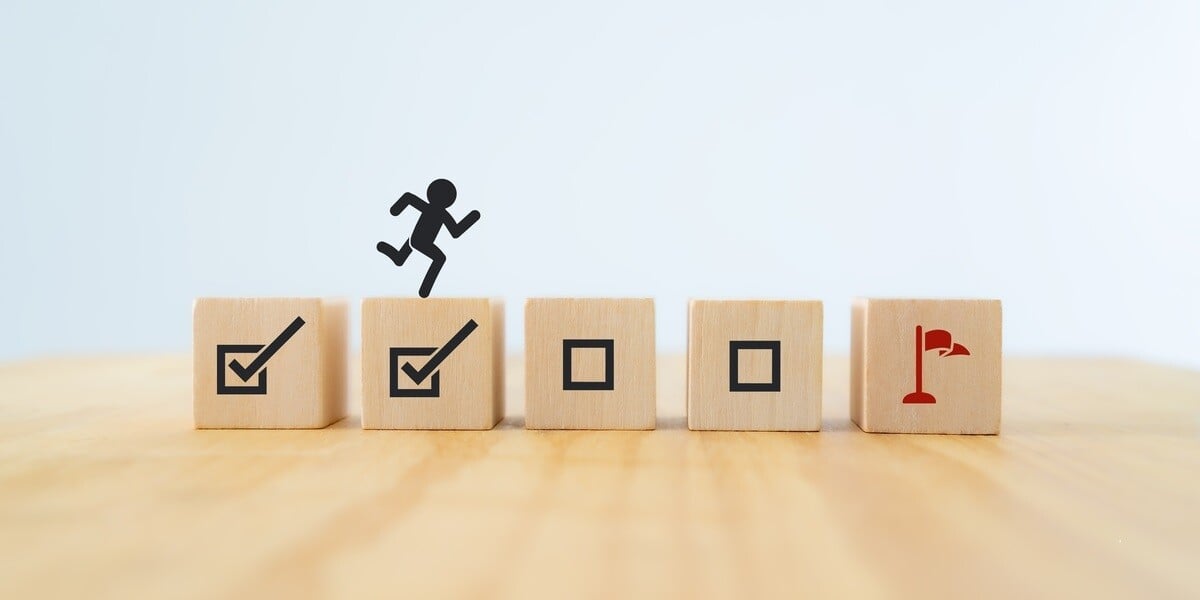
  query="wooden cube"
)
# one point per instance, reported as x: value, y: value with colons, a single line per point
x: 589, y: 363
x: 925, y: 366
x: 754, y: 365
x: 268, y: 363
x: 432, y: 363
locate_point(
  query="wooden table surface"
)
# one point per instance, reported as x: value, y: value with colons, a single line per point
x: 1093, y: 487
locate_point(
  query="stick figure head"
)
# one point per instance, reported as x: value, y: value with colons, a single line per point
x: 441, y: 193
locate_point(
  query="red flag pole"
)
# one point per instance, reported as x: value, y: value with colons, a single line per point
x: 920, y: 355
x: 920, y: 396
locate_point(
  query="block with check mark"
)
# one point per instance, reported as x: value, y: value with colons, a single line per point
x: 432, y: 363
x: 589, y: 363
x: 754, y: 365
x: 269, y: 363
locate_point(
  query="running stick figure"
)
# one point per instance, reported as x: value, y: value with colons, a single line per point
x: 434, y: 215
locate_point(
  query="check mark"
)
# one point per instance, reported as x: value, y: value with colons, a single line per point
x: 436, y: 360
x: 260, y: 361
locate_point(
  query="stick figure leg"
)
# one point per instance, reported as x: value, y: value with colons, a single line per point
x: 435, y: 254
x: 397, y: 256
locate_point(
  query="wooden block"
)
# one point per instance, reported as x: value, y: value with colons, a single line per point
x: 925, y: 366
x: 268, y: 363
x: 432, y: 363
x: 589, y: 363
x: 754, y: 365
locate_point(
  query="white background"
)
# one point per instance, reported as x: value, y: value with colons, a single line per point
x: 1046, y: 153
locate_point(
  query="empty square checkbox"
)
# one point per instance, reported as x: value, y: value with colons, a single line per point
x: 588, y: 365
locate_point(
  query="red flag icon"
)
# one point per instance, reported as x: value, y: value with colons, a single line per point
x: 939, y: 339
x: 934, y: 339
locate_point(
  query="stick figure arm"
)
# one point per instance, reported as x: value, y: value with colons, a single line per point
x: 407, y: 200
x: 461, y: 227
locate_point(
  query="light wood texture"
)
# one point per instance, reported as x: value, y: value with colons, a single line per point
x: 963, y: 385
x: 301, y: 385
x: 1090, y: 491
x: 629, y: 324
x: 469, y: 379
x: 713, y: 403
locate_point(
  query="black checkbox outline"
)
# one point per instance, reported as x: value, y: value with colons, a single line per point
x: 569, y: 384
x: 737, y: 386
x: 394, y: 370
x: 223, y: 389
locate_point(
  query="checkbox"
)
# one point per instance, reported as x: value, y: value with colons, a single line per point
x: 752, y: 349
x: 255, y: 365
x: 430, y: 370
x: 399, y: 376
x: 226, y: 372
x: 585, y: 378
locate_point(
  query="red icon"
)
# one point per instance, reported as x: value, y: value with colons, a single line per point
x: 934, y: 339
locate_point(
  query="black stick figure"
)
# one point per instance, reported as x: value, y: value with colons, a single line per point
x: 434, y: 215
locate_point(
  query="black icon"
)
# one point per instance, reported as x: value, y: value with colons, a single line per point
x: 258, y: 365
x: 429, y: 371
x: 434, y: 215
x: 569, y: 382
x: 738, y: 386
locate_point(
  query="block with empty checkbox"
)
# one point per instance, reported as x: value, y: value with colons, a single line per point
x: 268, y: 363
x: 754, y: 365
x: 432, y: 363
x: 589, y: 363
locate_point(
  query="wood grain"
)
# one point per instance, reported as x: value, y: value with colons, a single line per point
x: 469, y: 380
x: 713, y: 325
x: 966, y: 388
x: 1090, y: 491
x: 629, y: 324
x: 304, y: 380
